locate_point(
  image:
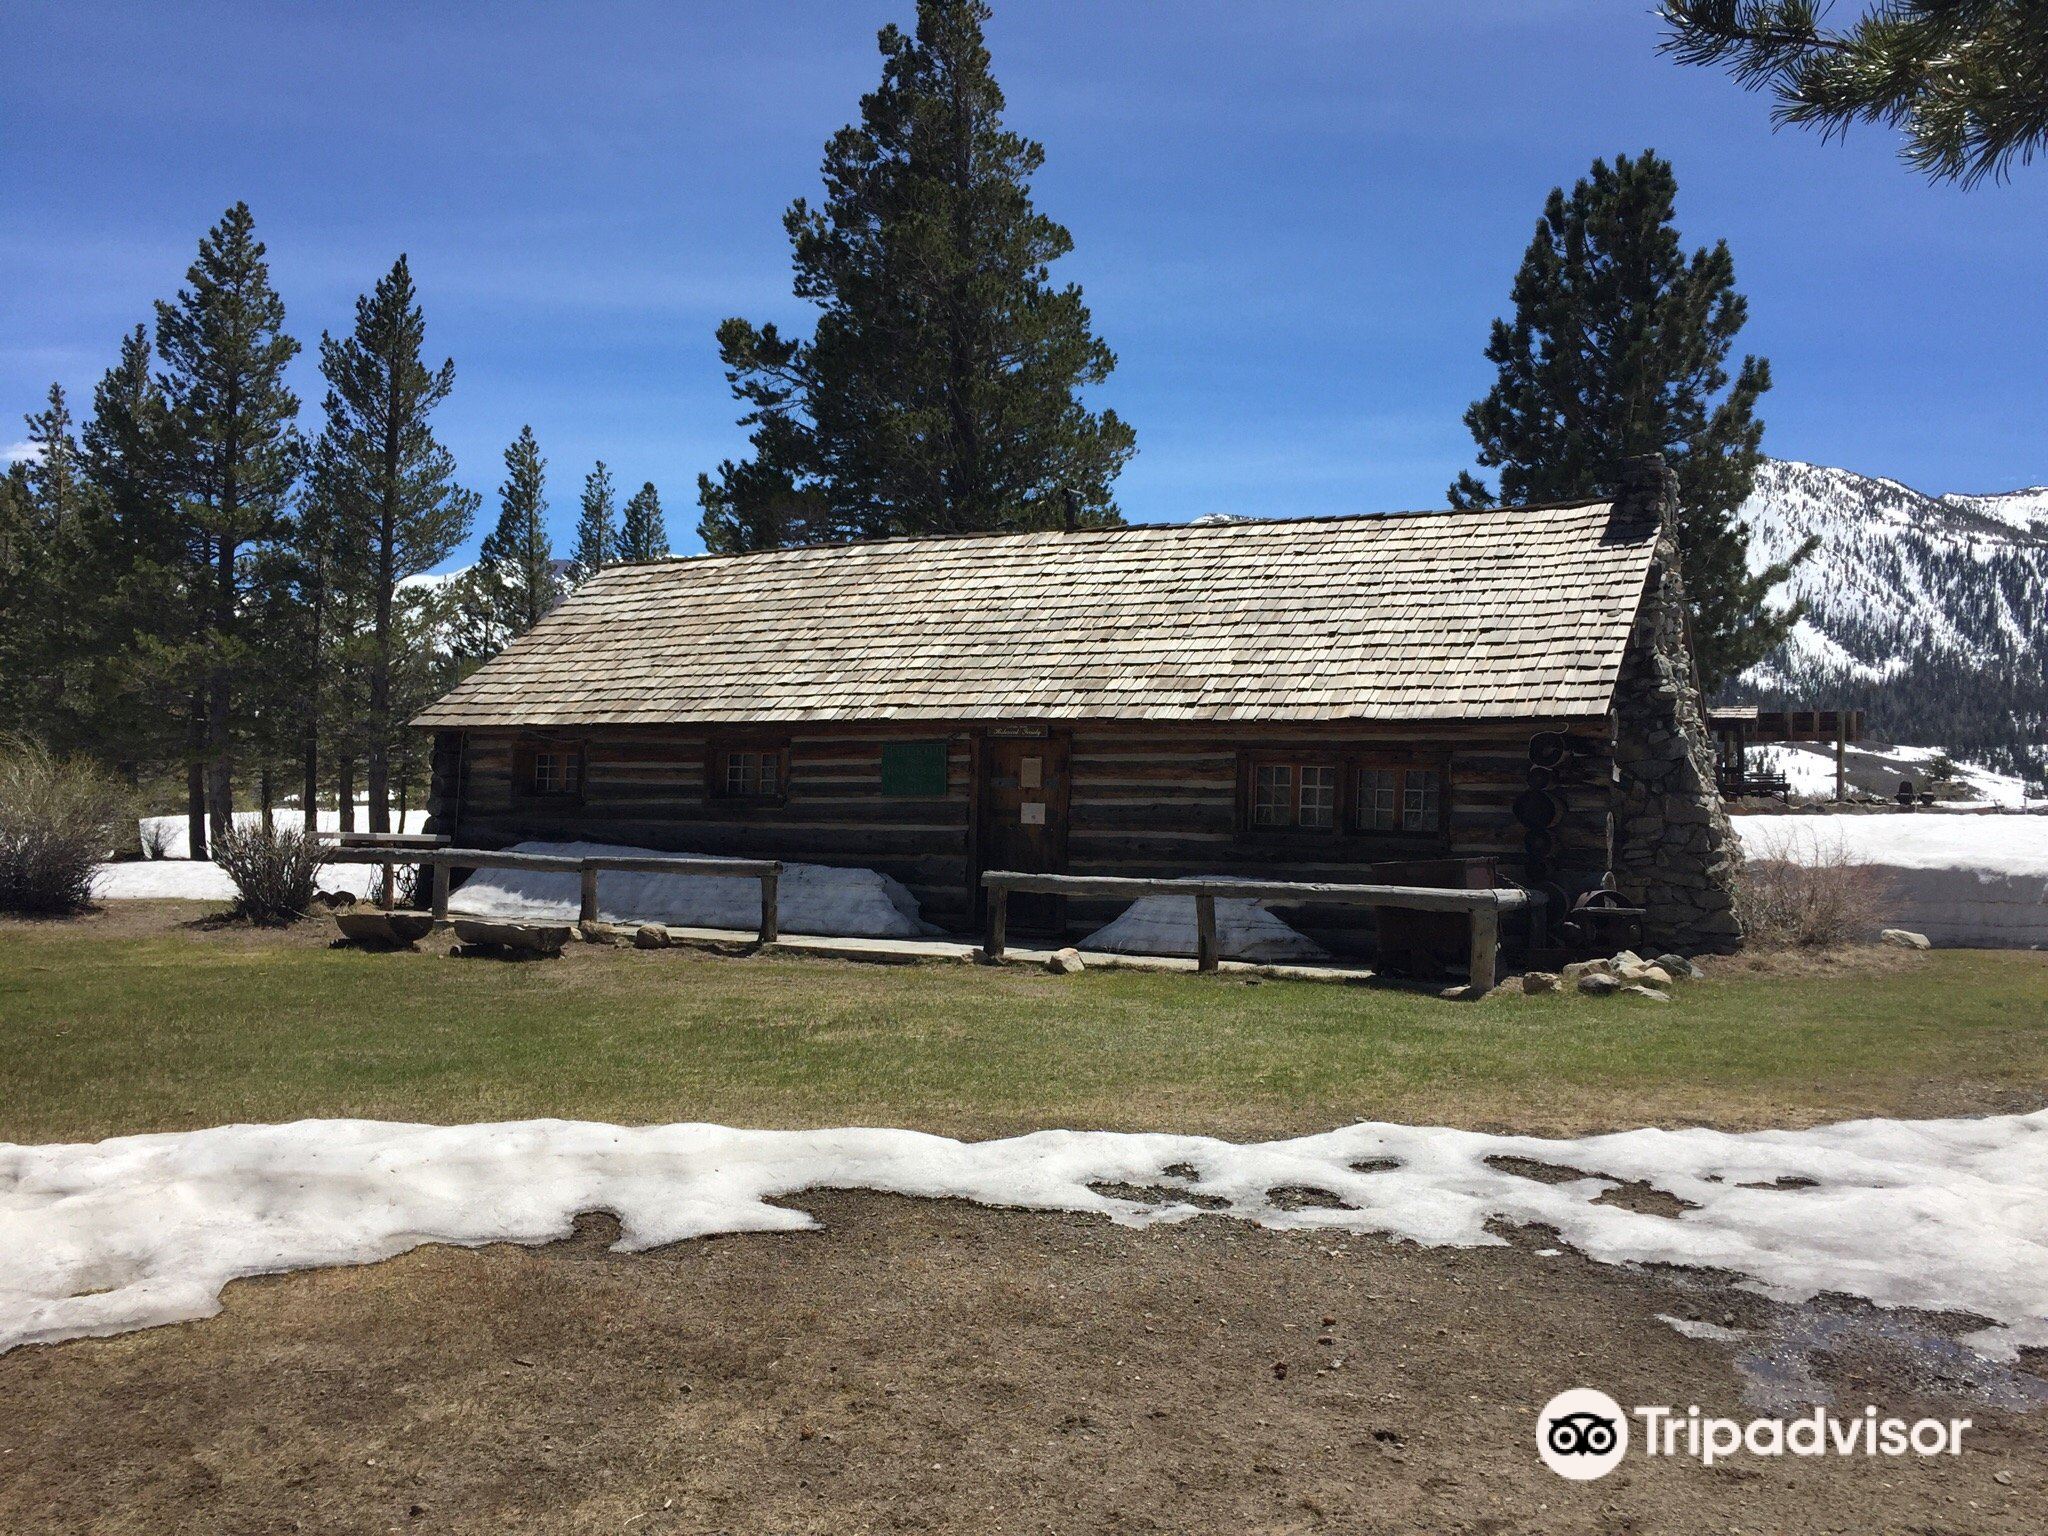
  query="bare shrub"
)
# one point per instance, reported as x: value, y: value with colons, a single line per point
x: 275, y: 870
x: 154, y: 833
x: 59, y: 817
x: 1809, y: 896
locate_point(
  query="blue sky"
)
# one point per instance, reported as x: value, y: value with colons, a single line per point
x: 1293, y: 222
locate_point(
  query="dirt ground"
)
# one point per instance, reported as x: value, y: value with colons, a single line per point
x: 928, y: 1366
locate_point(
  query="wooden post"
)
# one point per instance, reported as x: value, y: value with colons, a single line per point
x: 1841, y: 755
x: 588, y: 912
x: 390, y: 886
x: 771, y: 904
x: 1485, y: 948
x: 1205, y: 932
x: 998, y: 921
x: 440, y: 891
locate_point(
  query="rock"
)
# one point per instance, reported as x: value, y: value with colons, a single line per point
x: 1534, y: 982
x: 1630, y: 975
x: 384, y: 930
x: 1904, y: 938
x: 1504, y: 989
x: 597, y: 933
x: 1571, y: 975
x: 1065, y: 962
x: 1457, y: 994
x: 336, y: 901
x: 1650, y: 992
x: 1598, y: 984
x: 1677, y: 967
x: 650, y: 936
x: 1655, y: 976
x: 1627, y: 957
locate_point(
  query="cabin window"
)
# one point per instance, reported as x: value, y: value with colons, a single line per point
x: 1344, y: 794
x: 1399, y: 798
x: 752, y: 773
x: 1294, y: 795
x: 550, y: 770
x: 914, y: 769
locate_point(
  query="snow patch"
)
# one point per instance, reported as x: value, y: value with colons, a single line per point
x: 102, y: 1238
x: 1165, y: 925
x: 815, y: 898
x: 176, y: 830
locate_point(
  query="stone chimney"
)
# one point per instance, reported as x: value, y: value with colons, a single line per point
x: 1675, y: 854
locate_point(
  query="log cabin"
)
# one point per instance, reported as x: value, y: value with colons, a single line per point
x: 1452, y: 697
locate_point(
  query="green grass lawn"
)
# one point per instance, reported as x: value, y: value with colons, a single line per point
x: 133, y: 1022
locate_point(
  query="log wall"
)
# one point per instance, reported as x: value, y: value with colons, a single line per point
x: 1151, y: 800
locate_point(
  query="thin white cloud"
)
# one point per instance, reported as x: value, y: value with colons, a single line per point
x: 22, y: 453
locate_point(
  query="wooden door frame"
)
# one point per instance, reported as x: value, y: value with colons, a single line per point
x: 982, y: 757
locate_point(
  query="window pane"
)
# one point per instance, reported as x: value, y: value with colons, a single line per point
x: 1318, y: 796
x: 771, y: 768
x: 1421, y: 801
x: 1273, y: 804
x: 1377, y: 800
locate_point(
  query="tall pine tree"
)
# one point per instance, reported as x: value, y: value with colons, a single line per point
x: 642, y: 534
x: 233, y: 455
x: 597, y: 539
x: 46, y: 630
x: 513, y: 584
x: 941, y: 390
x: 382, y: 451
x: 1618, y: 346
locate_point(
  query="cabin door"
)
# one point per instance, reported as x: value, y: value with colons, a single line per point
x: 1024, y: 820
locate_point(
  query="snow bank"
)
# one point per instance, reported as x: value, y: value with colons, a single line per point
x: 199, y: 880
x: 815, y: 899
x: 140, y: 1230
x: 1972, y: 880
x: 1165, y: 925
x: 178, y: 843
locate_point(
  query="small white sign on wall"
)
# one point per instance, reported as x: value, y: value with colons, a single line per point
x: 1031, y: 772
x: 1032, y: 813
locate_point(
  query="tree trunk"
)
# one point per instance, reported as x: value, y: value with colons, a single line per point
x: 380, y: 659
x: 345, y: 795
x: 195, y: 807
x: 263, y: 800
x: 310, y: 793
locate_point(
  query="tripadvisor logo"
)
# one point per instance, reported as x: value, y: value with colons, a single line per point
x: 1583, y: 1434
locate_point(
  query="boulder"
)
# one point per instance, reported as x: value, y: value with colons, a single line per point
x: 1654, y: 976
x: 1904, y: 938
x: 1651, y: 993
x: 1065, y: 962
x: 650, y: 936
x: 1534, y: 982
x: 1677, y: 967
x: 1458, y: 994
x: 1627, y: 957
x: 1598, y: 984
x: 1578, y: 970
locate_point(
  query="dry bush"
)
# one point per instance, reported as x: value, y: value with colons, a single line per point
x: 154, y: 835
x: 276, y: 870
x: 1813, y: 896
x: 59, y: 817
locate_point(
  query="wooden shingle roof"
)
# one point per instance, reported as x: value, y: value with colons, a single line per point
x: 1505, y: 613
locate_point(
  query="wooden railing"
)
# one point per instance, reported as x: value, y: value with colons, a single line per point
x: 443, y: 859
x: 1483, y: 907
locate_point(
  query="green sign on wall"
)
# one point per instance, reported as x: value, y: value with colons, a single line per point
x: 914, y: 768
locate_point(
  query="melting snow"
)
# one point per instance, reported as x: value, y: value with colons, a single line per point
x: 1165, y: 925
x: 814, y: 898
x: 140, y: 1230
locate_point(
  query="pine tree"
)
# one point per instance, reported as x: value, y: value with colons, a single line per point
x: 383, y: 454
x: 141, y: 554
x: 513, y: 584
x: 597, y: 541
x: 1966, y: 79
x: 1618, y: 346
x: 642, y: 535
x: 45, y: 630
x: 940, y: 391
x: 233, y: 454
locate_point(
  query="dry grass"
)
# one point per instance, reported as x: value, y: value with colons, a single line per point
x: 1812, y: 896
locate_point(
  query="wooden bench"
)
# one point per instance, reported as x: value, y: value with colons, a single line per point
x: 1482, y: 908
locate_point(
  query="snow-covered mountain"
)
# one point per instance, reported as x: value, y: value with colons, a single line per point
x: 1925, y: 611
